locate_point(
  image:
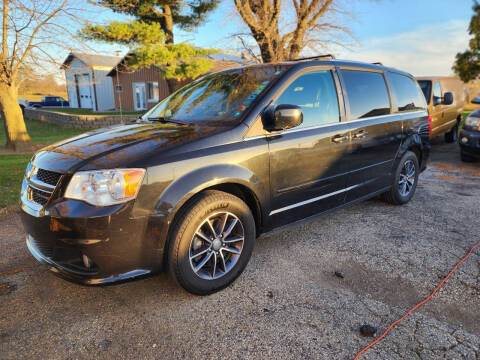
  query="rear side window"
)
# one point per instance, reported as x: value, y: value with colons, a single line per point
x: 409, y: 96
x: 367, y: 94
x: 316, y: 95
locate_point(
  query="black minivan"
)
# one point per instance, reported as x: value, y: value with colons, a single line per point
x: 233, y: 154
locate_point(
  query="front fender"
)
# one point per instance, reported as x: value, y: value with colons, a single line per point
x: 185, y: 187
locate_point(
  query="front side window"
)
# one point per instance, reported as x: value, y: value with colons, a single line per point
x: 152, y: 91
x: 409, y: 96
x: 316, y: 95
x: 219, y: 98
x: 367, y: 94
x: 437, y: 93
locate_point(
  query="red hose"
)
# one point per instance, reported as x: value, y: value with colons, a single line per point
x: 418, y: 305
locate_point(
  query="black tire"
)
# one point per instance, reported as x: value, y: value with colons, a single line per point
x: 23, y: 109
x: 465, y: 157
x: 184, y: 237
x: 394, y: 195
x: 451, y: 136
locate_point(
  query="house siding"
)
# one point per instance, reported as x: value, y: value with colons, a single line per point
x: 98, y: 86
x: 124, y: 99
x: 104, y: 90
x: 76, y: 67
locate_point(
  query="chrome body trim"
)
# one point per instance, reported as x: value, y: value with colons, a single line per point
x: 305, y: 202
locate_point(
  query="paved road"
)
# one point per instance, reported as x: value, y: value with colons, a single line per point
x: 288, y: 303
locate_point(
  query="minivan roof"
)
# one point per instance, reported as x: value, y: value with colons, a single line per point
x: 336, y: 62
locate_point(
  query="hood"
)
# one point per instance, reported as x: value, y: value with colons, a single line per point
x: 116, y: 146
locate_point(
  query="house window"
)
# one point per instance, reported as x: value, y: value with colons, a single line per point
x: 118, y: 88
x: 152, y: 91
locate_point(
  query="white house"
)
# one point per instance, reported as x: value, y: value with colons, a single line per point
x: 88, y: 85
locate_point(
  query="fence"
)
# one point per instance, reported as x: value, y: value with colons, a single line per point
x: 77, y: 121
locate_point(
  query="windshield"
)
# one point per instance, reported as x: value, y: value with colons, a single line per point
x: 426, y: 86
x: 217, y: 98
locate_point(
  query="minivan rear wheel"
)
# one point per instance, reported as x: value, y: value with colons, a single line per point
x: 211, y: 243
x: 404, y: 181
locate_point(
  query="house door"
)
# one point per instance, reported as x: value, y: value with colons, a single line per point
x: 139, y: 96
x: 84, y: 92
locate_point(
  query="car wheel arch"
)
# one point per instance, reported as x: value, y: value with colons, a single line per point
x: 229, y: 178
x: 235, y: 188
x: 411, y: 143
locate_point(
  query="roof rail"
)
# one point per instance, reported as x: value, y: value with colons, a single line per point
x: 377, y: 63
x: 315, y: 57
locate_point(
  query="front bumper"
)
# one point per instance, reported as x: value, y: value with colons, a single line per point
x: 469, y: 141
x: 77, y: 275
x: 117, y: 245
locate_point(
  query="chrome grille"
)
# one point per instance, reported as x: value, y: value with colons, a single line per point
x: 48, y: 177
x: 39, y: 196
x: 41, y: 185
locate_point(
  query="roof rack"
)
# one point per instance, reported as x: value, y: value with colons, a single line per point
x: 377, y: 63
x: 317, y: 57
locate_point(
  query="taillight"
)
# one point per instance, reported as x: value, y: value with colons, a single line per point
x: 429, y: 126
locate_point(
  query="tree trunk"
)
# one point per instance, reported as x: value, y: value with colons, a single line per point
x: 265, y: 46
x: 168, y: 24
x: 167, y: 27
x: 15, y: 129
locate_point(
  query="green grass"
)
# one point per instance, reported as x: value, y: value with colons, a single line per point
x: 73, y: 111
x: 12, y: 168
x: 44, y: 133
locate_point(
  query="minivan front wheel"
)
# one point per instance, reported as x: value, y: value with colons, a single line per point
x: 211, y: 243
x: 404, y: 181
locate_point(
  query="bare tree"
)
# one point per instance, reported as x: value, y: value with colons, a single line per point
x: 31, y: 29
x: 281, y: 36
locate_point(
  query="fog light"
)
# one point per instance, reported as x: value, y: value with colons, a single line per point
x: 86, y: 261
x: 464, y: 140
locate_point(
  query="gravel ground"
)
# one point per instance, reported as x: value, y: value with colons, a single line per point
x: 288, y: 303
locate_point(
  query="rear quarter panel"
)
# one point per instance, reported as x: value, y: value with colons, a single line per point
x: 416, y: 138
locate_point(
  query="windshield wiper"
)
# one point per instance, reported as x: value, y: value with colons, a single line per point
x: 166, y: 120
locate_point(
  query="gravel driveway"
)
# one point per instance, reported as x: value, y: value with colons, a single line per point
x: 288, y: 303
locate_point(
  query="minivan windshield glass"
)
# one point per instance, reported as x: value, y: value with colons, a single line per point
x: 216, y: 99
x: 426, y: 86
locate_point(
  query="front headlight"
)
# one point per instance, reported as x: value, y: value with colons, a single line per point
x: 105, y: 187
x: 472, y: 121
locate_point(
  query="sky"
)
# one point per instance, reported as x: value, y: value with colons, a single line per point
x: 418, y: 36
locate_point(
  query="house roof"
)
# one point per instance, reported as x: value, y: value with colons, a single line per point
x: 220, y: 65
x: 217, y: 66
x: 92, y: 60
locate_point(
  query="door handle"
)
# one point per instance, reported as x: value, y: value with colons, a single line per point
x: 359, y: 135
x: 339, y: 138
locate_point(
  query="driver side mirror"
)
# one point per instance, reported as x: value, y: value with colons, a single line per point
x: 447, y: 98
x: 283, y: 117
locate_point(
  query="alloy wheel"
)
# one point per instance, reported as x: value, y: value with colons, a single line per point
x: 407, y: 178
x: 216, y: 245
